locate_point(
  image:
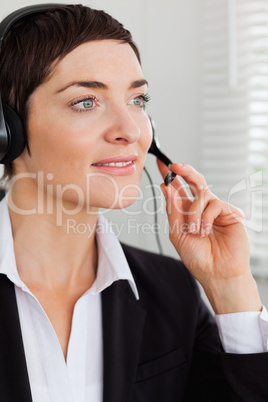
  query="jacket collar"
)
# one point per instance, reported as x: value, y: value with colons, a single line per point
x: 14, y: 381
x: 123, y: 320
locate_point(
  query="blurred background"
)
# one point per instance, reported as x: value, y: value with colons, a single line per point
x: 207, y: 66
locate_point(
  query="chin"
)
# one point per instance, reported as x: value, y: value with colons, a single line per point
x: 123, y: 205
x: 120, y: 200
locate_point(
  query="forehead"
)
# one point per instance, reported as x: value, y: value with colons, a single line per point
x: 104, y: 59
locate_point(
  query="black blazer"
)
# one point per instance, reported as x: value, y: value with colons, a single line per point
x: 163, y: 348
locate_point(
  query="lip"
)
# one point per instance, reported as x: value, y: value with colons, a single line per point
x: 117, y: 158
x: 117, y: 170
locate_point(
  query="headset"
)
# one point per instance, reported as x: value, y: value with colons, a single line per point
x: 156, y: 151
x: 12, y: 137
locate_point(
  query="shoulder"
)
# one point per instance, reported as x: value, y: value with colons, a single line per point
x: 160, y: 274
x: 170, y: 296
x: 147, y: 262
x: 144, y: 262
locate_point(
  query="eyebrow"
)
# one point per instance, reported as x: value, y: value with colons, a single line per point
x: 101, y: 85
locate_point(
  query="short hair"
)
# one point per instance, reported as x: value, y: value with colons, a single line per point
x: 36, y: 41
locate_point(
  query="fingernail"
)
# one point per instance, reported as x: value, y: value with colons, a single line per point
x: 205, y: 230
x: 192, y: 227
x: 208, y: 230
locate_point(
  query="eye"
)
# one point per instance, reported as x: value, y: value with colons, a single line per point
x: 85, y: 104
x: 140, y: 100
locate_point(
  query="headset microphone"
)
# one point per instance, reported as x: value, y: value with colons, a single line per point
x: 155, y: 150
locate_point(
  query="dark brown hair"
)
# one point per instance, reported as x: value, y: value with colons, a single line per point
x: 36, y: 41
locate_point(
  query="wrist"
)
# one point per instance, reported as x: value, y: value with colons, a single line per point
x: 234, y: 295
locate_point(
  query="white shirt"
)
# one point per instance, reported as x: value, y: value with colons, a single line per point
x: 80, y: 378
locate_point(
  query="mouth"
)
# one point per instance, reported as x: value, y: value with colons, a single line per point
x: 117, y: 165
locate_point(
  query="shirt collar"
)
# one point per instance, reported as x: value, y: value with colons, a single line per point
x: 7, y: 257
x: 112, y: 263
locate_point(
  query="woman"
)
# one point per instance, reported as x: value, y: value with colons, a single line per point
x: 84, y: 318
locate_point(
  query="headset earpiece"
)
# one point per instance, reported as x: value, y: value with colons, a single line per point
x: 12, y: 136
x: 15, y: 135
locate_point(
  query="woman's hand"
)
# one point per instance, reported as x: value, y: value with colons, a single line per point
x: 210, y: 237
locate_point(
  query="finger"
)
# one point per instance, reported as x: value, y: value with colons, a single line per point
x: 175, y: 210
x: 235, y: 212
x: 213, y: 210
x: 193, y: 178
x: 162, y: 168
x: 221, y: 213
x: 197, y: 208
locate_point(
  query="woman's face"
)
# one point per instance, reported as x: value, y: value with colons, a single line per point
x: 86, y: 117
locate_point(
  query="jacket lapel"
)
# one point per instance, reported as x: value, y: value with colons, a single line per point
x: 14, y: 381
x: 123, y: 320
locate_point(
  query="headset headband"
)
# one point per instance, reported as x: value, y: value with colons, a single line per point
x: 7, y: 23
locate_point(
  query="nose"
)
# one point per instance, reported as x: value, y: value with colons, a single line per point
x: 123, y: 129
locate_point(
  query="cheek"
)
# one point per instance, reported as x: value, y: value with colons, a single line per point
x: 146, y: 136
x: 57, y: 148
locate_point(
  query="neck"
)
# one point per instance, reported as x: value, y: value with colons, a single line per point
x: 54, y: 247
